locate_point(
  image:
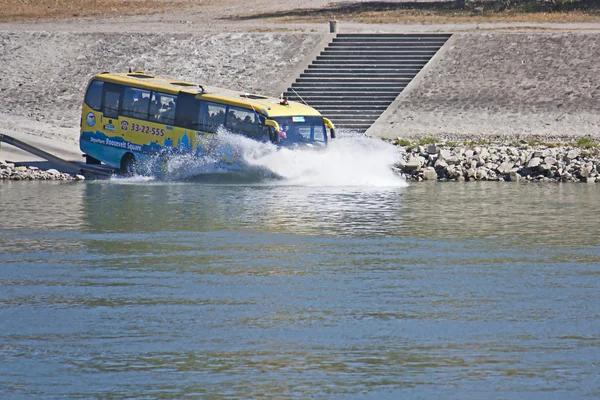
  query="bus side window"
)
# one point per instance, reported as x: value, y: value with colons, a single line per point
x: 162, y: 108
x: 244, y: 121
x: 135, y: 103
x: 211, y: 116
x: 93, y: 97
x: 111, y: 104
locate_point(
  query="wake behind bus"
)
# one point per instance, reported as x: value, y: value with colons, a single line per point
x: 129, y: 117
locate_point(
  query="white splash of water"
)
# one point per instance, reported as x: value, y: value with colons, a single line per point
x: 349, y: 160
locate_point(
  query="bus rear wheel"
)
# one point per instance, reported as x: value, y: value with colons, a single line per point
x: 127, y: 165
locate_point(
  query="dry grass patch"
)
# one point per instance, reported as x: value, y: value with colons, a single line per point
x: 430, y: 12
x: 32, y: 10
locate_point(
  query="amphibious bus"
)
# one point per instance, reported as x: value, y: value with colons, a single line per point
x: 127, y: 117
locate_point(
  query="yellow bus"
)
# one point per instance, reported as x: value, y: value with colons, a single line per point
x: 128, y: 117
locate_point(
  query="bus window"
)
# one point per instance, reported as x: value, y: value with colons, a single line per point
x: 93, y: 97
x: 135, y: 103
x: 244, y: 121
x: 162, y: 108
x: 112, y: 98
x: 211, y: 116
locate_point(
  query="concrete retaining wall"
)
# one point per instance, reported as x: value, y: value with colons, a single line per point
x: 503, y: 84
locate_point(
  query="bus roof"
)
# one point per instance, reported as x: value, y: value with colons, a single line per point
x: 270, y: 106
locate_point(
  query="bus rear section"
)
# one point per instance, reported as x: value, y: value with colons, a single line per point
x: 122, y: 124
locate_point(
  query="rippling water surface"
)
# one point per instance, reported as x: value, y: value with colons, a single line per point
x: 134, y: 289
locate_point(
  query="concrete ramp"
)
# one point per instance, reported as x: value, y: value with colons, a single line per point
x: 357, y: 76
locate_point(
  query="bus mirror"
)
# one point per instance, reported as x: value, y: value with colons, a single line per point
x: 274, y: 124
x: 275, y: 138
x: 331, y: 127
x: 274, y: 130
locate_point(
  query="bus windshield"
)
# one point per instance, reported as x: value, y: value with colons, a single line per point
x: 298, y: 129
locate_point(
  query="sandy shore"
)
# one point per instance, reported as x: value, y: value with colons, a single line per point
x: 483, y: 84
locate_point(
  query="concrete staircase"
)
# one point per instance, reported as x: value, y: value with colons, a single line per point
x: 358, y: 76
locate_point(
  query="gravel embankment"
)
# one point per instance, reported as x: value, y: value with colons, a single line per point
x: 500, y: 162
x: 10, y: 171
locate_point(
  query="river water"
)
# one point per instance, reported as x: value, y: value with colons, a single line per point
x: 349, y: 285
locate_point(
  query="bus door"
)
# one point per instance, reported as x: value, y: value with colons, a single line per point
x: 111, y: 104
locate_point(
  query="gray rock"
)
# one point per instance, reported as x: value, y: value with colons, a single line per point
x: 585, y: 171
x: 445, y: 154
x: 429, y: 174
x: 550, y: 160
x: 53, y: 172
x: 468, y: 154
x: 440, y: 163
x: 484, y: 153
x: 80, y: 177
x: 506, y: 167
x: 432, y: 149
x: 452, y: 160
x: 573, y: 154
x: 513, y: 176
x: 534, y: 162
x: 481, y: 174
x: 413, y: 164
x: 548, y: 153
x: 544, y: 167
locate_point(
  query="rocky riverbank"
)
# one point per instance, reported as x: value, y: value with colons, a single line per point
x: 549, y: 162
x: 10, y: 171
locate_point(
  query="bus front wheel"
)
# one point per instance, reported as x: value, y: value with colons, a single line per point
x: 127, y: 165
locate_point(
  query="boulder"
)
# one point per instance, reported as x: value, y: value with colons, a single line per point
x: 572, y: 154
x: 429, y: 174
x: 534, y: 162
x: 445, y: 154
x: 432, y: 149
x: 413, y: 164
x: 506, y: 167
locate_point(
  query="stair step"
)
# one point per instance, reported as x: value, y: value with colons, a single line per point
x: 383, y: 46
x: 350, y: 103
x: 301, y: 90
x: 353, y: 117
x: 394, y: 35
x: 353, y: 81
x: 356, y: 74
x: 369, y: 63
x: 362, y: 100
x: 377, y: 52
x: 373, y: 58
x: 350, y: 84
x: 385, y: 42
x: 386, y: 69
x: 346, y: 108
